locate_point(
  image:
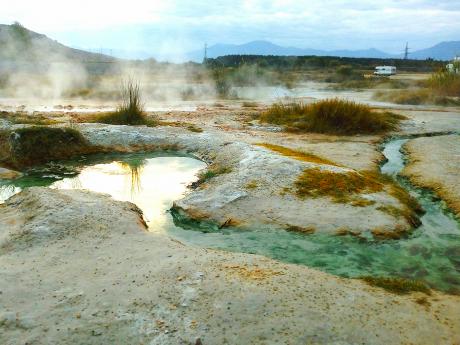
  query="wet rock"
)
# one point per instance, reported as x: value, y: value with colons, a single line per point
x: 9, y: 174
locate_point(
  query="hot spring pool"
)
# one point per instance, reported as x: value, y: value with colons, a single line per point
x: 154, y: 180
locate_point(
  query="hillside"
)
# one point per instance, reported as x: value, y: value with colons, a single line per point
x: 441, y: 51
x: 21, y: 48
x: 268, y: 48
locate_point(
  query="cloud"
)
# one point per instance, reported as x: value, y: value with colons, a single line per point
x: 184, y: 24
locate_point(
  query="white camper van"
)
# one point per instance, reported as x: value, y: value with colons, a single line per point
x: 385, y: 70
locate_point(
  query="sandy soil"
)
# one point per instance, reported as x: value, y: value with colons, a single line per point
x: 435, y: 164
x: 78, y: 267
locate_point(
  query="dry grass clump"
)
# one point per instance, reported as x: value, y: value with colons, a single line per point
x: 445, y: 83
x: 442, y: 88
x: 339, y: 186
x: 131, y: 109
x: 331, y: 116
x: 415, y: 97
x: 299, y: 155
x: 397, y: 285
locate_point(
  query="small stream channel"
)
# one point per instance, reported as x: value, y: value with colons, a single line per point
x: 154, y: 180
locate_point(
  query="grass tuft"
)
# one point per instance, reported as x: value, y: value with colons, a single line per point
x: 299, y: 155
x: 331, y: 116
x: 131, y: 109
x: 397, y: 285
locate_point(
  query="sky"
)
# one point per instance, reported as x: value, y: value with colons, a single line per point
x: 177, y: 26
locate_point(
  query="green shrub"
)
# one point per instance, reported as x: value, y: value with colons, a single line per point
x: 332, y: 116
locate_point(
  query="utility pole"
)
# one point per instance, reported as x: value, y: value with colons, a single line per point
x: 406, y: 51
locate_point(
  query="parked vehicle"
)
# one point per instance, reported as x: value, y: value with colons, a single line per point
x: 385, y: 70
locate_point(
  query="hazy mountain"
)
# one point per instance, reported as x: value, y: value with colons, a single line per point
x: 441, y: 51
x: 268, y: 48
x: 19, y: 45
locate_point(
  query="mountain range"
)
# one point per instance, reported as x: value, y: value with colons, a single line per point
x: 441, y: 51
x: 19, y: 43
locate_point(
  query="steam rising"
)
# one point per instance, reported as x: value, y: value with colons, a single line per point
x: 33, y: 67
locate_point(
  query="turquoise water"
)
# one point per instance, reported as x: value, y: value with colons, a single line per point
x: 153, y: 181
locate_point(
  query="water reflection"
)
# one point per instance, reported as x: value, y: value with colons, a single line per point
x: 151, y: 183
x: 134, y: 166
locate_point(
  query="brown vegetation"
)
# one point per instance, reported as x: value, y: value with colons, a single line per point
x: 339, y: 186
x: 299, y: 155
x: 331, y: 116
x: 131, y: 109
x: 397, y: 285
x: 34, y: 145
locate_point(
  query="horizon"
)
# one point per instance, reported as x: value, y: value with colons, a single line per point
x: 175, y: 28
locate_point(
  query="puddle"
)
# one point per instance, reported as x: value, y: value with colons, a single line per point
x: 153, y: 181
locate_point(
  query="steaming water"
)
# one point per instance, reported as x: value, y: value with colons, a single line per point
x: 152, y: 181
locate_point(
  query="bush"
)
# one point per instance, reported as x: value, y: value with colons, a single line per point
x: 445, y: 83
x: 131, y: 109
x: 332, y: 116
x: 442, y: 88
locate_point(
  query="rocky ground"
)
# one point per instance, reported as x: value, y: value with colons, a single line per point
x: 435, y: 164
x: 78, y: 267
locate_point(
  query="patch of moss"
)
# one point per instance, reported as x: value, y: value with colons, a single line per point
x: 397, y: 285
x: 251, y: 185
x: 394, y: 234
x: 26, y: 119
x: 339, y: 186
x: 361, y: 202
x: 190, y: 126
x: 211, y: 172
x: 34, y: 145
x: 299, y: 155
x: 304, y: 230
